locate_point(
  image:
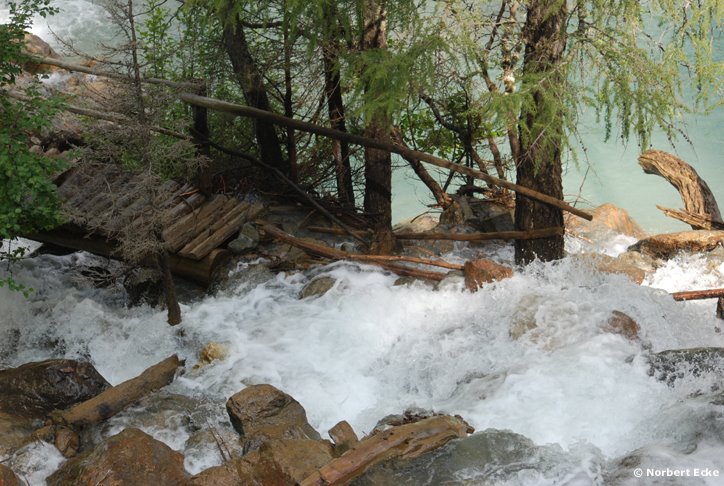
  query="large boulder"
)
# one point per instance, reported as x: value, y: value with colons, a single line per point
x: 668, y: 244
x: 15, y: 432
x: 38, y: 47
x: 8, y: 477
x: 481, y: 271
x: 131, y: 457
x: 277, y: 462
x: 606, y: 217
x: 35, y: 389
x: 261, y: 413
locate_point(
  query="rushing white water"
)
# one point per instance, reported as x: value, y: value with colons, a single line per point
x: 368, y: 348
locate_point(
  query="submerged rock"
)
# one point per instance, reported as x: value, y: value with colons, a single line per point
x: 606, y: 217
x: 131, y: 457
x: 317, y: 287
x: 620, y: 323
x: 261, y: 413
x: 619, y: 266
x: 35, y: 389
x: 248, y: 239
x: 481, y: 271
x: 15, y: 432
x: 674, y: 364
x: 144, y: 286
x: 212, y: 352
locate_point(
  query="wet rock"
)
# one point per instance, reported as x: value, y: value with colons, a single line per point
x: 412, y: 281
x: 418, y: 224
x: 674, y: 364
x: 35, y: 389
x: 317, y: 287
x: 36, y: 46
x: 278, y: 462
x: 131, y: 457
x: 248, y: 239
x: 343, y: 436
x: 144, y: 286
x: 262, y: 412
x: 213, y: 352
x: 481, y: 271
x: 8, y: 477
x: 606, y: 217
x: 67, y: 441
x: 620, y: 323
x: 609, y: 264
x: 490, y: 216
x: 667, y: 245
x: 452, y: 280
x: 15, y: 432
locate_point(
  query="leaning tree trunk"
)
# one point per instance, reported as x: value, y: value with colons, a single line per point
x: 541, y: 129
x: 378, y: 163
x: 252, y: 84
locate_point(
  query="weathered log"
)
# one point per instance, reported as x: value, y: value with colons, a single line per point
x: 698, y: 294
x: 189, y: 226
x: 111, y: 401
x: 695, y: 193
x: 500, y: 235
x: 405, y: 441
x: 695, y: 220
x: 668, y: 244
x: 368, y: 142
x: 335, y: 231
x: 382, y: 260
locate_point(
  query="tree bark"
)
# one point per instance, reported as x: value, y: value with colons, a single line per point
x: 541, y: 130
x: 378, y: 163
x: 335, y: 106
x: 252, y: 84
x: 169, y: 288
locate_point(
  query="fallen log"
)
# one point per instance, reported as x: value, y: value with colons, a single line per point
x: 247, y: 111
x: 695, y: 220
x: 111, y: 401
x: 698, y: 294
x: 499, y: 235
x: 405, y: 441
x: 381, y: 260
x: 694, y: 191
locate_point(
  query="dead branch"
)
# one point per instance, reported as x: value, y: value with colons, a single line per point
x: 698, y: 294
x: 500, y: 235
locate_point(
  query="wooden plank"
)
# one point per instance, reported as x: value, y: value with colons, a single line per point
x: 192, y: 224
x: 224, y: 231
x: 187, y: 204
x: 230, y: 210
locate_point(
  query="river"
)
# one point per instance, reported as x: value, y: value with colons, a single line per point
x: 583, y: 397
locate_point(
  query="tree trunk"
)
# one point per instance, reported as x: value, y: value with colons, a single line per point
x: 378, y: 163
x: 252, y: 84
x: 335, y: 106
x: 541, y: 130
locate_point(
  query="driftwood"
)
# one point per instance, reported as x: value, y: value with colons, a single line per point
x: 698, y: 294
x: 405, y: 441
x: 500, y: 235
x: 113, y: 400
x: 382, y: 260
x: 695, y: 193
x: 696, y: 221
x: 275, y: 118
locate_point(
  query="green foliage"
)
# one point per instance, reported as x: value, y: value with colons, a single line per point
x: 28, y: 199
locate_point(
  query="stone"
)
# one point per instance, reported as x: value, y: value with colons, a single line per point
x: 317, y: 287
x: 67, y: 441
x: 8, y: 477
x: 213, y: 352
x: 608, y: 264
x: 620, y: 323
x: 36, y: 46
x: 343, y: 436
x: 490, y: 216
x: 605, y: 217
x: 418, y: 224
x: 35, y: 389
x: 131, y: 457
x: 15, y: 432
x: 248, y: 239
x: 668, y: 244
x: 674, y: 364
x: 478, y: 272
x: 262, y: 412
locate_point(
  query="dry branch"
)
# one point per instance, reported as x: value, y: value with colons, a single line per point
x: 500, y: 235
x: 247, y: 111
x: 695, y: 220
x: 698, y: 294
x: 111, y: 401
x: 404, y: 441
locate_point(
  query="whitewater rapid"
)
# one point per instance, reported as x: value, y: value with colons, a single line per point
x: 369, y: 348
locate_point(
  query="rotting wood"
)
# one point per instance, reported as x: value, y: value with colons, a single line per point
x: 335, y: 231
x: 698, y: 294
x: 335, y: 254
x: 247, y: 111
x: 231, y: 210
x: 189, y: 226
x: 405, y: 442
x: 111, y: 401
x: 500, y: 235
x: 695, y: 193
x: 695, y: 220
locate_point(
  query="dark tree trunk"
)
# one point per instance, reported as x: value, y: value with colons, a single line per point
x: 172, y: 305
x: 541, y: 130
x: 335, y: 106
x: 378, y: 163
x: 252, y: 84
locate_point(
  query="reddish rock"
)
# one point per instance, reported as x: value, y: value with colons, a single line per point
x: 36, y: 46
x: 668, y: 244
x: 131, y: 457
x: 620, y: 323
x: 605, y: 217
x: 478, y: 272
x: 262, y: 412
x: 8, y: 477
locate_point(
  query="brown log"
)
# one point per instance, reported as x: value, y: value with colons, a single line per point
x: 695, y: 220
x: 230, y: 211
x: 247, y: 111
x: 335, y: 231
x: 223, y: 231
x: 405, y: 441
x: 382, y: 260
x: 695, y: 193
x: 500, y: 235
x: 698, y: 294
x: 189, y: 226
x: 111, y: 401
